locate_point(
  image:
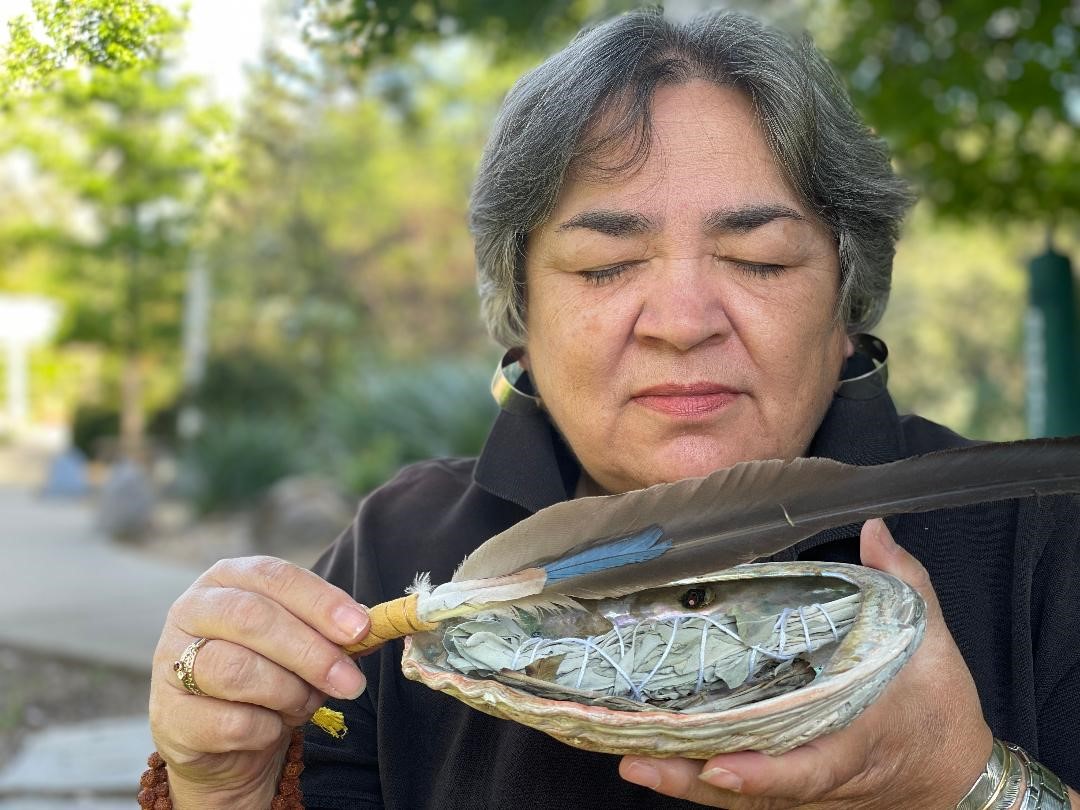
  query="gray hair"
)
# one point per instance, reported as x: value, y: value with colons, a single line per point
x: 837, y: 166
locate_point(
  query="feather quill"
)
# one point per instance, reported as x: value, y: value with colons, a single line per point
x: 756, y: 509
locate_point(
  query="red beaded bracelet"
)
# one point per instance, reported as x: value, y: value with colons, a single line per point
x: 154, y: 785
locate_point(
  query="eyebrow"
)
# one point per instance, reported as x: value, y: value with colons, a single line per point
x: 751, y: 217
x: 727, y: 220
x: 610, y: 223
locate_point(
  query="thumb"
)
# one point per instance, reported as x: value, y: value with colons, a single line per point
x: 879, y: 550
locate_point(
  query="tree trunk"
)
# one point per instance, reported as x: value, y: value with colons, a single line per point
x: 132, y: 412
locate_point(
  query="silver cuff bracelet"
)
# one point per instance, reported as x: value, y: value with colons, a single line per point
x: 998, y: 785
x: 1045, y: 791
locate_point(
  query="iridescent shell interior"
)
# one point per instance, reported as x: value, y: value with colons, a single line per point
x: 808, y: 682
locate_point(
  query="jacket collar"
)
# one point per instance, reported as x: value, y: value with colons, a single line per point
x: 525, y: 461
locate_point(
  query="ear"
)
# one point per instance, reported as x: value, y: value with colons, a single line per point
x: 523, y: 359
x: 849, y: 346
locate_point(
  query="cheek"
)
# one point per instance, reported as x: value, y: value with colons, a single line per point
x: 572, y: 362
x: 793, y: 343
x: 575, y: 333
x: 807, y: 328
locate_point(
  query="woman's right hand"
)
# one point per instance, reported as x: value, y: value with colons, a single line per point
x: 274, y: 653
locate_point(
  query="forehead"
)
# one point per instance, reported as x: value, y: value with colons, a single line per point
x: 704, y: 140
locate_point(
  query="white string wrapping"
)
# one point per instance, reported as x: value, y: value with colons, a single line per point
x: 664, y: 658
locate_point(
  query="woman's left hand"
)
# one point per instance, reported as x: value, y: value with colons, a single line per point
x: 922, y: 743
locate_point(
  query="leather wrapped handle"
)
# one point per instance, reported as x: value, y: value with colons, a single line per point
x: 390, y: 620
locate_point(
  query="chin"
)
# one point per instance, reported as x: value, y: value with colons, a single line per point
x: 703, y: 455
x: 691, y: 459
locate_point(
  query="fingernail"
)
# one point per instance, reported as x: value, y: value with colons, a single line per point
x: 346, y: 680
x: 884, y: 535
x: 352, y: 621
x: 641, y: 773
x: 718, y: 777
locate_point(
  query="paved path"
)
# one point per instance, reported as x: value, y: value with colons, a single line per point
x: 67, y: 590
x: 93, y: 765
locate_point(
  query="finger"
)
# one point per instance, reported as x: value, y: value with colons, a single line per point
x: 804, y: 774
x: 204, y: 725
x: 260, y: 624
x: 675, y: 777
x: 879, y: 550
x: 231, y: 672
x: 307, y: 596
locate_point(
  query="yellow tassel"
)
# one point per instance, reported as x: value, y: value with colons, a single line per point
x: 333, y: 723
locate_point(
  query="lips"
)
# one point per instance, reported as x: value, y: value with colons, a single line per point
x: 686, y: 400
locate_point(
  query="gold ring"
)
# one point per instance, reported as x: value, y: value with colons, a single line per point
x: 185, y: 667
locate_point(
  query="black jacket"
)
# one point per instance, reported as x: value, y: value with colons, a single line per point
x: 1007, y: 575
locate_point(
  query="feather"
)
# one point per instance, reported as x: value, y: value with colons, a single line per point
x: 536, y: 606
x: 639, y: 547
x: 462, y: 597
x: 756, y: 509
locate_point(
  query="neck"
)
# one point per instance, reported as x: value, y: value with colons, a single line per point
x: 587, y: 487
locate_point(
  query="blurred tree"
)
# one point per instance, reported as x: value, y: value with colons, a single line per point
x: 343, y: 235
x: 955, y: 325
x: 981, y: 103
x: 362, y: 31
x: 105, y: 119
x: 96, y: 33
x: 980, y: 100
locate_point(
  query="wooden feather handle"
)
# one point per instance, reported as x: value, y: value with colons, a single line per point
x: 390, y: 620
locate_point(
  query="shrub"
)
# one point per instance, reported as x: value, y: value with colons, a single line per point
x: 94, y: 426
x: 91, y: 425
x: 236, y: 459
x: 359, y: 434
x: 246, y: 382
x: 384, y: 418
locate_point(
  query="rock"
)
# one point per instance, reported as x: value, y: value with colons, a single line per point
x: 67, y: 475
x: 299, y: 517
x: 127, y: 502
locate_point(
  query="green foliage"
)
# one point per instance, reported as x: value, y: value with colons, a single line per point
x: 980, y: 101
x: 363, y: 32
x: 343, y: 226
x: 125, y: 145
x: 112, y: 34
x: 247, y: 382
x: 255, y: 417
x: 235, y: 461
x: 955, y: 326
x: 96, y: 427
x: 385, y: 418
x: 359, y: 434
x: 92, y: 425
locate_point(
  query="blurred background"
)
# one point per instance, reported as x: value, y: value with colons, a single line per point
x: 237, y: 289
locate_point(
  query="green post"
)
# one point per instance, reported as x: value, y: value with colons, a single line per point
x: 1052, y: 348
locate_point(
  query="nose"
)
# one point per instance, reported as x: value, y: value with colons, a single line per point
x: 683, y: 306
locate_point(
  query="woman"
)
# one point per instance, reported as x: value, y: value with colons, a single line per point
x: 679, y: 232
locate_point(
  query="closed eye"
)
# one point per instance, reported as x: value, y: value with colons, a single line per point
x: 604, y: 275
x: 759, y: 270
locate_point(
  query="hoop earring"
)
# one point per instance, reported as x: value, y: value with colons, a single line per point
x: 867, y: 384
x: 511, y: 387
